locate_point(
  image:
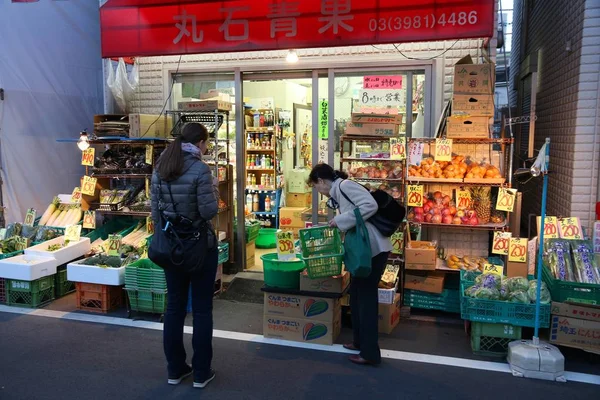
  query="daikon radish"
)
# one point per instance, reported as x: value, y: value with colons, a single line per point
x: 49, y: 211
x: 54, y: 217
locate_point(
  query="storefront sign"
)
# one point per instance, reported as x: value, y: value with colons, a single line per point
x: 398, y: 148
x: 382, y: 82
x: 517, y: 250
x: 443, y: 149
x: 323, y: 151
x: 166, y: 27
x: 415, y: 195
x: 89, y: 220
x: 383, y: 98
x: 550, y: 227
x: 30, y: 217
x: 323, y: 119
x: 506, y: 199
x: 87, y: 157
x: 570, y: 228
x: 501, y: 243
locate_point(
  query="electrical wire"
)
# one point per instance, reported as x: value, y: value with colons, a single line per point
x: 426, y: 58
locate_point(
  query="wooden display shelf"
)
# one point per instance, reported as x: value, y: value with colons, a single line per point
x: 465, y: 181
x: 261, y: 129
x: 363, y: 138
x: 344, y: 159
x: 125, y: 213
x: 481, y: 181
x: 376, y: 179
x: 260, y: 150
x: 250, y: 169
x: 121, y: 176
x: 419, y: 179
x: 485, y: 227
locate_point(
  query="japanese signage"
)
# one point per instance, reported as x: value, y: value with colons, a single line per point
x: 382, y: 82
x: 501, y: 243
x: 517, y: 250
x: 89, y: 220
x: 149, y: 154
x: 323, y: 151
x: 493, y: 269
x: 76, y: 195
x: 72, y: 233
x: 323, y: 119
x: 87, y: 157
x: 88, y: 186
x: 463, y: 199
x: 398, y: 242
x: 30, y: 217
x: 443, y: 149
x: 143, y: 28
x: 114, y: 244
x: 415, y: 195
x: 550, y: 227
x: 570, y: 228
x: 398, y: 148
x: 415, y: 153
x: 506, y: 199
x: 285, y: 245
x: 383, y: 98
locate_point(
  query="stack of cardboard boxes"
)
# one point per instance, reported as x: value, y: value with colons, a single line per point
x: 390, y: 300
x: 576, y: 325
x: 298, y: 201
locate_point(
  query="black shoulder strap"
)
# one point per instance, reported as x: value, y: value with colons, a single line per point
x: 344, y: 194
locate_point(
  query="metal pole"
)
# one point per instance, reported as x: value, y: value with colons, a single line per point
x: 240, y: 165
x: 315, y: 141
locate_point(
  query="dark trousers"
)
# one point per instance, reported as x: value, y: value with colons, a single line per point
x: 365, y: 310
x: 178, y: 285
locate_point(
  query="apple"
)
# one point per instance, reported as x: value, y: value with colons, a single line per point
x: 437, y: 211
x: 447, y: 219
x: 436, y: 219
x: 426, y: 208
x: 438, y: 195
x: 452, y: 210
x: 446, y: 212
x: 430, y: 203
x: 446, y: 200
x: 474, y: 221
x: 456, y: 221
x: 418, y: 218
x: 418, y: 210
x: 428, y: 217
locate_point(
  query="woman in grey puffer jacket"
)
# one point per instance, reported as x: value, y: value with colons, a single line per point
x: 193, y: 195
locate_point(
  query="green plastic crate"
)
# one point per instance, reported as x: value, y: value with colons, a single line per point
x: 322, y: 251
x: 492, y: 339
x: 114, y: 226
x: 252, y: 229
x: 147, y: 301
x: 562, y: 291
x: 62, y: 286
x: 145, y: 275
x: 447, y: 301
x: 223, y: 253
x: 10, y: 255
x: 30, y: 293
x: 2, y: 291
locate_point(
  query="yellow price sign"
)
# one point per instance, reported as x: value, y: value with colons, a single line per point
x: 506, y: 199
x: 415, y: 195
x: 285, y: 245
x: 89, y: 220
x: 570, y: 228
x: 87, y: 157
x: 30, y: 217
x: 493, y: 269
x: 73, y: 233
x: 463, y: 199
x: 149, y: 154
x: 89, y: 186
x: 398, y: 148
x: 517, y: 250
x: 501, y: 243
x: 22, y: 243
x: 443, y: 150
x: 76, y: 195
x: 550, y: 227
x: 148, y: 188
x: 398, y: 242
x: 114, y: 245
x: 150, y: 225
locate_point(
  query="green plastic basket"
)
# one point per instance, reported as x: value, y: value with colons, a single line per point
x: 62, y: 286
x: 562, y: 291
x: 145, y: 275
x: 154, y: 302
x: 492, y: 339
x: 322, y: 251
x: 252, y: 229
x: 281, y: 274
x: 30, y: 293
x: 267, y: 238
x: 447, y: 301
x: 223, y: 253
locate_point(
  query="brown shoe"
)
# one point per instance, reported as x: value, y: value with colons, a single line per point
x: 360, y: 361
x: 351, y: 347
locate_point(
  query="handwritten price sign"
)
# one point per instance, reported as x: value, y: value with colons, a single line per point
x: 415, y: 195
x: 506, y: 199
x: 415, y: 153
x: 73, y: 233
x: 30, y: 217
x: 87, y: 157
x: 150, y: 225
x: 285, y: 245
x: 76, y: 196
x: 148, y: 187
x: 22, y: 243
x: 463, y: 199
x: 149, y: 154
x: 517, y: 250
x: 501, y: 243
x: 570, y: 228
x: 89, y: 220
x: 398, y: 148
x: 550, y: 227
x: 114, y: 244
x: 89, y: 185
x: 398, y: 243
x: 493, y: 269
x: 443, y: 149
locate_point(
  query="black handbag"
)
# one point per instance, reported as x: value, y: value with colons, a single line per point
x: 179, y: 242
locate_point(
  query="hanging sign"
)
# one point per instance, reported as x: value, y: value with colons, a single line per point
x: 323, y: 119
x: 382, y: 82
x: 550, y: 227
x: 463, y: 199
x: 148, y: 188
x: 398, y: 148
x: 506, y: 199
x: 114, y: 244
x: 76, y: 196
x: 517, y: 250
x: 443, y: 150
x: 493, y: 269
x: 89, y: 219
x: 398, y: 242
x: 30, y: 217
x: 88, y: 185
x: 570, y: 228
x: 150, y: 225
x: 87, y: 157
x: 285, y: 245
x: 415, y: 153
x: 149, y: 154
x: 415, y: 195
x: 72, y: 233
x: 501, y: 243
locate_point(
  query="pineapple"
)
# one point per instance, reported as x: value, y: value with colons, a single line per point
x: 481, y: 196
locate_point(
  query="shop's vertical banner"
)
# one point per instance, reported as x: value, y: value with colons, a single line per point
x: 323, y: 119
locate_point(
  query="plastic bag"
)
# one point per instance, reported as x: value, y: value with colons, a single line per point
x: 490, y: 281
x: 557, y: 256
x: 519, y: 296
x: 121, y: 86
x: 586, y: 269
x: 545, y: 297
x: 487, y: 294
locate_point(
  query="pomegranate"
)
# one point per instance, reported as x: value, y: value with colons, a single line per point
x: 438, y: 195
x: 428, y: 217
x: 436, y: 219
x: 446, y: 200
x: 473, y: 221
x: 426, y: 208
x: 446, y: 212
x: 456, y: 221
x: 447, y: 219
x: 418, y: 218
x: 418, y: 210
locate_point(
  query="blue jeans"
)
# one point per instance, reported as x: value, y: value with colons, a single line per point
x: 178, y: 284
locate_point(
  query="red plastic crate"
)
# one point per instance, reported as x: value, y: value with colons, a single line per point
x: 2, y: 290
x: 98, y: 298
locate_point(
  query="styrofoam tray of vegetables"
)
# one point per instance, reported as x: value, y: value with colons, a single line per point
x: 27, y: 267
x: 60, y: 250
x: 101, y: 270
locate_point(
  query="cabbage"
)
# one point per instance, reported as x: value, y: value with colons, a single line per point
x: 517, y: 283
x: 504, y: 292
x: 490, y: 281
x: 487, y: 294
x: 544, y: 292
x: 518, y: 296
x: 470, y: 275
x: 470, y: 292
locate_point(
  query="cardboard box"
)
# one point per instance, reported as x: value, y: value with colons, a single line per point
x: 386, y: 296
x: 532, y: 247
x: 473, y: 105
x: 516, y: 269
x: 204, y: 105
x: 297, y: 181
x: 335, y: 285
x: 291, y: 217
x: 389, y: 315
x: 431, y: 282
x: 372, y: 129
x: 360, y: 118
x: 470, y: 127
x: 141, y: 125
x: 298, y: 200
x: 302, y: 330
x: 586, y: 312
x: 472, y: 78
x: 306, y: 307
x: 575, y: 332
x: 420, y: 259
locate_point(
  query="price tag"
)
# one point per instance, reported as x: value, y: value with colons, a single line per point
x: 493, y: 269
x: 89, y: 220
x: 89, y: 185
x: 147, y: 188
x: 398, y: 148
x: 517, y: 250
x: 76, y: 196
x: 398, y: 242
x: 285, y: 245
x: 114, y: 244
x: 443, y: 150
x: 22, y: 243
x: 87, y: 157
x: 550, y: 227
x: 415, y: 195
x: 501, y: 242
x: 463, y: 199
x: 506, y: 199
x: 415, y: 153
x: 30, y: 217
x: 149, y: 154
x: 150, y: 225
x: 73, y: 233
x: 570, y: 228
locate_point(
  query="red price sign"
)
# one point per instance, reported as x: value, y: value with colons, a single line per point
x: 570, y: 228
x: 87, y: 157
x: 415, y: 195
x: 285, y: 245
x: 398, y: 148
x: 89, y: 220
x: 501, y: 243
x: 89, y: 185
x: 506, y: 199
x: 517, y: 250
x: 443, y: 149
x: 76, y: 196
x: 463, y: 199
x: 550, y: 227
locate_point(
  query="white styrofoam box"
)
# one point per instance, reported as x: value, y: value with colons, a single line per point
x: 27, y: 268
x: 64, y: 255
x: 386, y: 296
x: 77, y: 272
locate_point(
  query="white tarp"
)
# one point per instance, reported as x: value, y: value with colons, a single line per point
x: 51, y: 73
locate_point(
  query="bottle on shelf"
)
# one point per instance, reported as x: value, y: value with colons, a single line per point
x: 263, y: 180
x: 253, y: 180
x: 248, y: 160
x: 263, y: 162
x: 256, y: 119
x: 255, y: 207
x: 249, y: 180
x: 267, y: 203
x: 249, y: 203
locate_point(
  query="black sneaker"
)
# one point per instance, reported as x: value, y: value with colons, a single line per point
x: 176, y: 379
x: 203, y: 384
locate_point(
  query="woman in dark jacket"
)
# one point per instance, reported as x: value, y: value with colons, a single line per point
x: 184, y: 188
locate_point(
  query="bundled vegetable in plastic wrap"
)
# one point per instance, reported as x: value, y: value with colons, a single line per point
x: 517, y: 283
x: 586, y: 270
x: 544, y: 293
x: 519, y: 296
x: 471, y: 275
x: 470, y: 292
x: 558, y: 256
x: 487, y: 294
x: 504, y: 290
x: 490, y: 281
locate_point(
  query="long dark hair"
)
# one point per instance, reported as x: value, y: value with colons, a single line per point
x: 325, y: 171
x: 170, y: 163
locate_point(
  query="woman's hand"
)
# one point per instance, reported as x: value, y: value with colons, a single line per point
x: 332, y: 224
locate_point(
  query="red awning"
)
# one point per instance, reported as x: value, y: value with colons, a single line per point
x: 171, y: 27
